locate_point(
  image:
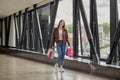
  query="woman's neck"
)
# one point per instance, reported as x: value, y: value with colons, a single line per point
x: 60, y: 28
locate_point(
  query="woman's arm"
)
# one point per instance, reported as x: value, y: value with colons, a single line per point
x: 67, y: 38
x: 53, y: 39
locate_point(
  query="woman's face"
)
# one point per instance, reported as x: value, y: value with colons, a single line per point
x: 61, y: 24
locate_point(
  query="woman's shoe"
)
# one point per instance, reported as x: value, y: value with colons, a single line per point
x: 56, y: 66
x: 61, y: 69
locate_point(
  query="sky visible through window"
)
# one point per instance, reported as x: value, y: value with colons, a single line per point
x: 65, y: 10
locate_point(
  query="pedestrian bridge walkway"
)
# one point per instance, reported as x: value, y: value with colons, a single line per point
x: 14, y: 68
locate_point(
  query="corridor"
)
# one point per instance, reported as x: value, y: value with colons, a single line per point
x: 13, y: 68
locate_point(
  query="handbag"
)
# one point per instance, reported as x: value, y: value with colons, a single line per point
x: 50, y: 53
x: 69, y: 52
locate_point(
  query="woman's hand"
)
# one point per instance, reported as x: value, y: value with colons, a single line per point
x: 53, y: 47
x: 70, y: 44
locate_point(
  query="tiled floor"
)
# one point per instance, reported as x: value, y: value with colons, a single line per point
x: 12, y: 68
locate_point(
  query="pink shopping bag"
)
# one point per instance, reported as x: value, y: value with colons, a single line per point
x: 50, y: 53
x: 69, y: 52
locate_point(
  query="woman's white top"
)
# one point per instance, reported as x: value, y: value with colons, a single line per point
x: 60, y: 34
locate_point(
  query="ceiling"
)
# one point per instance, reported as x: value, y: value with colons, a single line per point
x: 8, y: 7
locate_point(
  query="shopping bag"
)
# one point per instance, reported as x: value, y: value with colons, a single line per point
x: 50, y: 53
x: 70, y: 52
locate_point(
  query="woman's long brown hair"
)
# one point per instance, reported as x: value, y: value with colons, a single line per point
x: 60, y: 22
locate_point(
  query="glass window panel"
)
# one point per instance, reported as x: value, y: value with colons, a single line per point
x: 85, y: 43
x: 103, y: 9
x: 65, y: 12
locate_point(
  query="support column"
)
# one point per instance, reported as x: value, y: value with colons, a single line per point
x: 16, y: 31
x: 28, y: 31
x: 52, y: 21
x: 1, y: 31
x: 88, y: 32
x: 8, y: 31
x: 75, y: 27
x: 113, y: 26
x: 94, y: 27
x: 114, y: 45
x: 31, y: 31
x: 6, y: 26
x: 39, y: 26
x: 19, y: 25
x: 23, y: 36
x: 36, y: 36
x: 80, y: 29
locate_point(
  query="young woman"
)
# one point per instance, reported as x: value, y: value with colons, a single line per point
x: 60, y: 36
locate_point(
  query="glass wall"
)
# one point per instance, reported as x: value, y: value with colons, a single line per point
x: 31, y: 37
x: 85, y: 45
x: 65, y: 12
x: 103, y: 11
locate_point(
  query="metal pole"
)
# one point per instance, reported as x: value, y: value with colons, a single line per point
x: 6, y: 26
x: 94, y: 27
x: 80, y: 30
x: 17, y: 32
x: 22, y: 37
x: 91, y: 25
x: 38, y: 22
x: 118, y: 47
x: 114, y: 45
x: 19, y: 24
x: 8, y: 31
x: 1, y: 31
x: 113, y: 27
x: 88, y: 32
x: 27, y: 31
x: 56, y: 2
x: 75, y: 28
x: 31, y: 31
